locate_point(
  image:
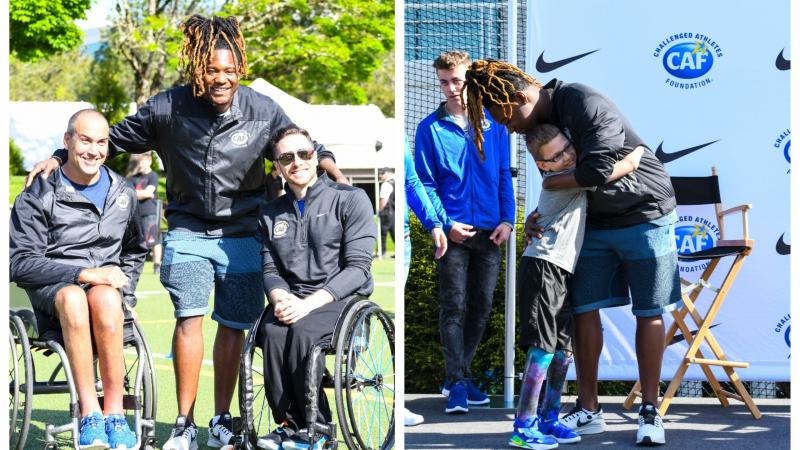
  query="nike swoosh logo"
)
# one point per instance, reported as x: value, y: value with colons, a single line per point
x: 782, y: 63
x: 782, y: 247
x: 681, y: 337
x: 665, y: 157
x: 543, y: 67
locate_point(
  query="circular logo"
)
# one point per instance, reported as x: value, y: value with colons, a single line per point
x: 688, y: 60
x: 240, y: 138
x: 786, y: 151
x: 786, y: 336
x: 693, y: 238
x: 122, y: 201
x: 280, y: 229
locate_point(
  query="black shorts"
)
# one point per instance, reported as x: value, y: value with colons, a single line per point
x: 151, y: 230
x: 545, y: 313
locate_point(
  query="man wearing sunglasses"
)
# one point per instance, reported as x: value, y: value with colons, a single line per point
x: 316, y: 255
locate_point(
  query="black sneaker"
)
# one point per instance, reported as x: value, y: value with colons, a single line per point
x: 220, y: 430
x: 276, y: 438
x: 183, y: 436
x: 651, y: 428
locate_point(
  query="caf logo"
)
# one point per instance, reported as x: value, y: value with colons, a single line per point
x: 240, y: 138
x: 280, y: 229
x: 694, y: 234
x: 122, y: 201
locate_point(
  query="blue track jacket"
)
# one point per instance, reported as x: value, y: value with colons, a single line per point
x: 461, y: 187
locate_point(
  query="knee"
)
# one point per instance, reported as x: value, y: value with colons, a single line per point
x: 105, y: 304
x: 72, y: 308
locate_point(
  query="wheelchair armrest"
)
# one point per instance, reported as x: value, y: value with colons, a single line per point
x: 741, y: 208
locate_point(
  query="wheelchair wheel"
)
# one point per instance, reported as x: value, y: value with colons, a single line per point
x: 256, y: 415
x: 364, y: 378
x: 20, y: 384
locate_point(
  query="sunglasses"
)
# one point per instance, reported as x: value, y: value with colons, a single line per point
x: 288, y: 157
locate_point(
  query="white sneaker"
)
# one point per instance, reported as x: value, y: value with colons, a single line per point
x: 412, y: 419
x: 651, y: 428
x: 183, y: 436
x: 220, y: 431
x: 583, y: 421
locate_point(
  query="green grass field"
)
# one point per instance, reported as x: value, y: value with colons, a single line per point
x: 156, y: 319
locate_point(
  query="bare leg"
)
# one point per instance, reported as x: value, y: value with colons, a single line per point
x: 157, y: 254
x: 588, y: 345
x: 649, y: 354
x: 227, y: 354
x: 187, y: 351
x: 73, y: 314
x: 105, y: 306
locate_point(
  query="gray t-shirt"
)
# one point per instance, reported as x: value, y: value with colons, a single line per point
x: 562, y: 214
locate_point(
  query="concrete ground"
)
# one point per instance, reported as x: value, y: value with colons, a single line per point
x: 691, y: 423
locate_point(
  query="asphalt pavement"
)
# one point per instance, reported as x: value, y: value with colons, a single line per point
x: 690, y: 423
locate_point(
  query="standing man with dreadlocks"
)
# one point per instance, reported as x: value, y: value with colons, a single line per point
x: 471, y: 189
x: 629, y: 246
x: 212, y: 137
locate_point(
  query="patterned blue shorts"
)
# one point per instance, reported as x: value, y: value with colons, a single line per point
x: 639, y: 262
x: 193, y: 263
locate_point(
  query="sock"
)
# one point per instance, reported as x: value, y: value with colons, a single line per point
x: 535, y: 369
x: 556, y: 375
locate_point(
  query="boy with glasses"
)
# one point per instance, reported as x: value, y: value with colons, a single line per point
x: 544, y: 270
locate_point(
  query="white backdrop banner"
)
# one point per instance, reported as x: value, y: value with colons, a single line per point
x: 703, y: 88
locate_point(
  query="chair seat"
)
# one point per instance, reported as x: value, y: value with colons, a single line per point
x: 714, y: 252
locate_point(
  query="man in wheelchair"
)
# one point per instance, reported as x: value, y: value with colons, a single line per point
x: 317, y: 252
x: 75, y: 248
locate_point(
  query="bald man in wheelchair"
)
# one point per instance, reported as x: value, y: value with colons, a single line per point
x: 75, y: 248
x: 318, y: 240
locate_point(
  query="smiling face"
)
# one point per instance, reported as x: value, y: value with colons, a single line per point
x: 299, y: 173
x: 451, y: 82
x: 87, y: 148
x: 221, y: 80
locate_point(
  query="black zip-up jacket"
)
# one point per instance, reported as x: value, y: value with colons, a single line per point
x: 603, y: 136
x: 55, y: 232
x: 329, y: 247
x: 214, y: 162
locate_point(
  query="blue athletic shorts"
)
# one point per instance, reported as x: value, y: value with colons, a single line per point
x: 639, y: 262
x: 193, y: 263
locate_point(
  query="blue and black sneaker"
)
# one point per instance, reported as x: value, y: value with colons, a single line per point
x: 120, y: 436
x: 527, y: 435
x: 558, y: 431
x: 300, y: 441
x: 92, y: 434
x: 457, y: 400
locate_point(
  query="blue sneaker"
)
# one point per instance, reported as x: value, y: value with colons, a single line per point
x: 300, y: 441
x: 457, y: 400
x: 558, y: 431
x: 120, y: 436
x: 93, y: 432
x: 527, y: 435
x: 475, y: 396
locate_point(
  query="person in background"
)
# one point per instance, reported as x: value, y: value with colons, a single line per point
x: 145, y: 181
x: 386, y: 205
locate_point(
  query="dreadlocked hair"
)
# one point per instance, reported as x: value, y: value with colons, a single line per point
x: 492, y: 83
x: 201, y: 36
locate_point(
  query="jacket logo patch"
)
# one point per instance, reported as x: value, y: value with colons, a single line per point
x: 280, y: 229
x: 240, y: 138
x: 122, y: 201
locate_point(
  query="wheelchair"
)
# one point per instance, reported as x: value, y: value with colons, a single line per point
x: 29, y: 333
x: 362, y: 378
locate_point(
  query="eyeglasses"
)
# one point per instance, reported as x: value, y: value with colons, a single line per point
x: 288, y: 157
x: 557, y: 157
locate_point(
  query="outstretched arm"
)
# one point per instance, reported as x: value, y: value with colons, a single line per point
x: 627, y: 165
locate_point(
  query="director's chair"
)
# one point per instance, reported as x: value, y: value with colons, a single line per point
x: 705, y: 191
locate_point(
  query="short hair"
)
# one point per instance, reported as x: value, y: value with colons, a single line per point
x: 451, y: 60
x: 538, y: 136
x: 74, y: 119
x: 289, y: 130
